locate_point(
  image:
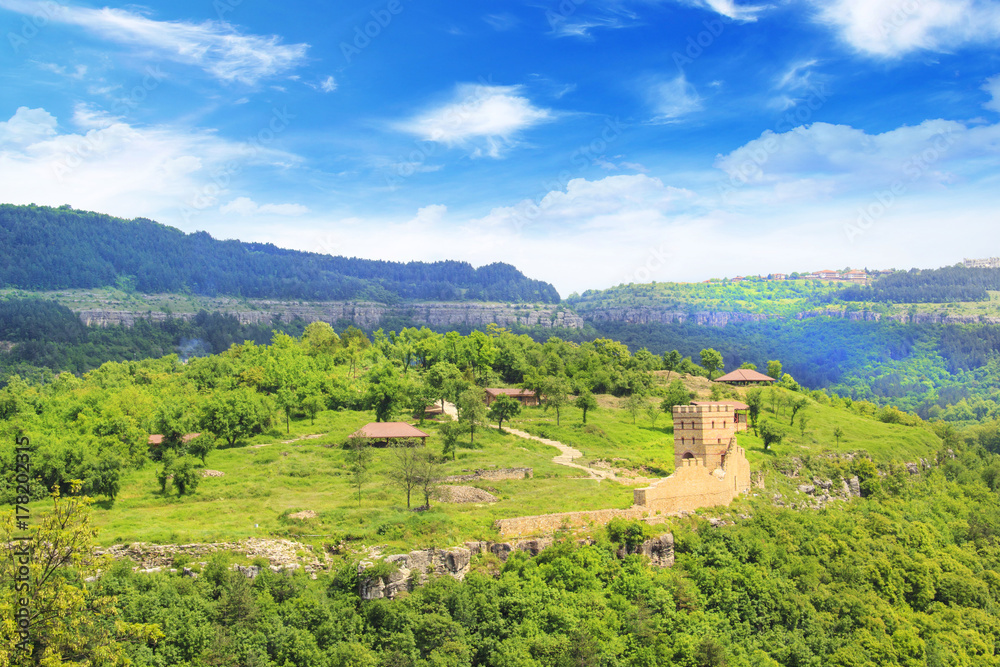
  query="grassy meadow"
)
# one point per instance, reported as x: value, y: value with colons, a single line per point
x: 278, y: 474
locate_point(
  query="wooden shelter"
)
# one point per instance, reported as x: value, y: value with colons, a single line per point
x: 742, y: 377
x: 395, y: 433
x: 525, y: 396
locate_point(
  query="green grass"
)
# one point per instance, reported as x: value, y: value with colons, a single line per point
x: 262, y: 485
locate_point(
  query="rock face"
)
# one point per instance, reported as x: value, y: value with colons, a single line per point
x: 642, y: 315
x: 367, y: 315
x: 659, y: 550
x: 414, y: 569
x: 281, y: 554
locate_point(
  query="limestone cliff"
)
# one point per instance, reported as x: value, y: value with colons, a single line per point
x: 368, y: 315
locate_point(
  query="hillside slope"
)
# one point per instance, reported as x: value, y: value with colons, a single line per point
x: 43, y: 248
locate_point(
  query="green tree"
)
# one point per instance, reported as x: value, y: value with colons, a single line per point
x: 774, y: 369
x: 472, y: 410
x: 795, y: 405
x: 236, y: 414
x: 450, y: 433
x: 653, y: 413
x: 838, y: 433
x: 503, y: 409
x: 585, y: 401
x: 633, y: 405
x: 803, y: 424
x: 313, y: 405
x: 711, y: 361
x: 748, y: 365
x: 556, y: 394
x: 671, y: 361
x: 676, y: 394
x: 771, y: 433
x: 385, y: 393
x: 287, y: 401
x: 755, y: 401
x: 186, y: 478
x: 202, y: 446
x: 70, y: 624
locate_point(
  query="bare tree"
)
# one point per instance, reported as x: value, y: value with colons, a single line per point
x: 427, y: 475
x: 359, y: 461
x: 404, y: 469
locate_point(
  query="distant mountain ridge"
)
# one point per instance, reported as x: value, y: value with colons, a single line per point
x: 44, y: 248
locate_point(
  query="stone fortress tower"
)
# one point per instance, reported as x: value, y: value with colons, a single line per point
x: 703, y: 432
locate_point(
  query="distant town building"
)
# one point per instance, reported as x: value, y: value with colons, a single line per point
x: 988, y: 263
x: 779, y: 276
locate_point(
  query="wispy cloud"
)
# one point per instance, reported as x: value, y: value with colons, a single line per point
x: 214, y: 46
x: 730, y: 9
x: 992, y: 86
x: 245, y: 206
x: 672, y: 99
x: 487, y: 118
x: 892, y: 28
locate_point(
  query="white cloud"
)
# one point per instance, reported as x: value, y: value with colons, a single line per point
x: 161, y: 172
x: 672, y: 98
x: 215, y: 46
x: 328, y: 85
x: 247, y: 207
x: 729, y: 9
x: 992, y: 86
x: 892, y: 28
x: 26, y: 127
x: 823, y: 160
x: 487, y: 118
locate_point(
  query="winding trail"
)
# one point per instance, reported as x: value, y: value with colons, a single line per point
x: 566, y: 453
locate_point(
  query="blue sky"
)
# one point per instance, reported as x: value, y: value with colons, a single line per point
x: 588, y: 142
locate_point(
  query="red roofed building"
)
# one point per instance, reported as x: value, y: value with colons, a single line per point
x: 386, y: 432
x: 156, y: 439
x: 525, y: 396
x: 745, y: 376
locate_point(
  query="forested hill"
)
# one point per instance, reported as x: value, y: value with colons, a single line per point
x: 44, y: 248
x: 944, y: 285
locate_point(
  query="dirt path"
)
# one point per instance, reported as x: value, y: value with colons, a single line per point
x: 566, y: 455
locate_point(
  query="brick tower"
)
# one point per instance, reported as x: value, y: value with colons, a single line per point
x: 703, y: 432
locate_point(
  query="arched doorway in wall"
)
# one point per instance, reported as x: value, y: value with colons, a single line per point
x: 687, y: 455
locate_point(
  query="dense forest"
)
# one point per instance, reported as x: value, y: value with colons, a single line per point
x: 44, y: 248
x: 45, y: 335
x: 946, y: 285
x: 949, y: 371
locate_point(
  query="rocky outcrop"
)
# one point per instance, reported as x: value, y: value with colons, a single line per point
x: 648, y: 315
x: 412, y: 569
x: 659, y: 550
x: 364, y: 314
x: 281, y: 554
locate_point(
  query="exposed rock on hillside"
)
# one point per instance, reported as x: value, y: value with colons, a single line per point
x: 367, y: 315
